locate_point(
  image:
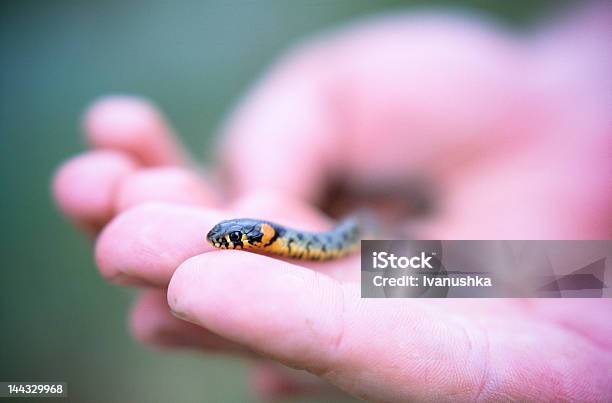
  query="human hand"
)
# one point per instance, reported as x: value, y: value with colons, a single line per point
x: 385, y: 350
x: 135, y: 159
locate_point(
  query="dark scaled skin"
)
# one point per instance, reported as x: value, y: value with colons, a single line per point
x: 268, y: 237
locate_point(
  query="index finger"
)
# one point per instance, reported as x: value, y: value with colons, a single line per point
x: 145, y: 244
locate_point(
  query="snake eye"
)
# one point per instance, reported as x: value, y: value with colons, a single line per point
x: 235, y: 236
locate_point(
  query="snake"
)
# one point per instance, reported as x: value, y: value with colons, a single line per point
x: 271, y: 238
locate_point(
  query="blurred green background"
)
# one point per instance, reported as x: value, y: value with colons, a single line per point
x: 60, y: 321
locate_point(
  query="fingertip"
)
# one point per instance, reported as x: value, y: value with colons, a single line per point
x: 273, y: 307
x: 146, y: 319
x: 203, y: 286
x: 145, y: 244
x: 197, y: 273
x: 133, y: 125
x: 84, y: 186
x: 120, y: 121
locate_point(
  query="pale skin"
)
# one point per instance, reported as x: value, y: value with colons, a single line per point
x: 513, y: 156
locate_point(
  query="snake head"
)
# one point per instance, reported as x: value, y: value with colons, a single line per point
x: 232, y: 234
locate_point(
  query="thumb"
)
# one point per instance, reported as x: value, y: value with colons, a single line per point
x: 282, y: 137
x: 374, y: 349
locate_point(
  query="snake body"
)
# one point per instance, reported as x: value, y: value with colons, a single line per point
x: 271, y: 238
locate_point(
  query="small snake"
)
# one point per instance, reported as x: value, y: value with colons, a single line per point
x: 268, y: 237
